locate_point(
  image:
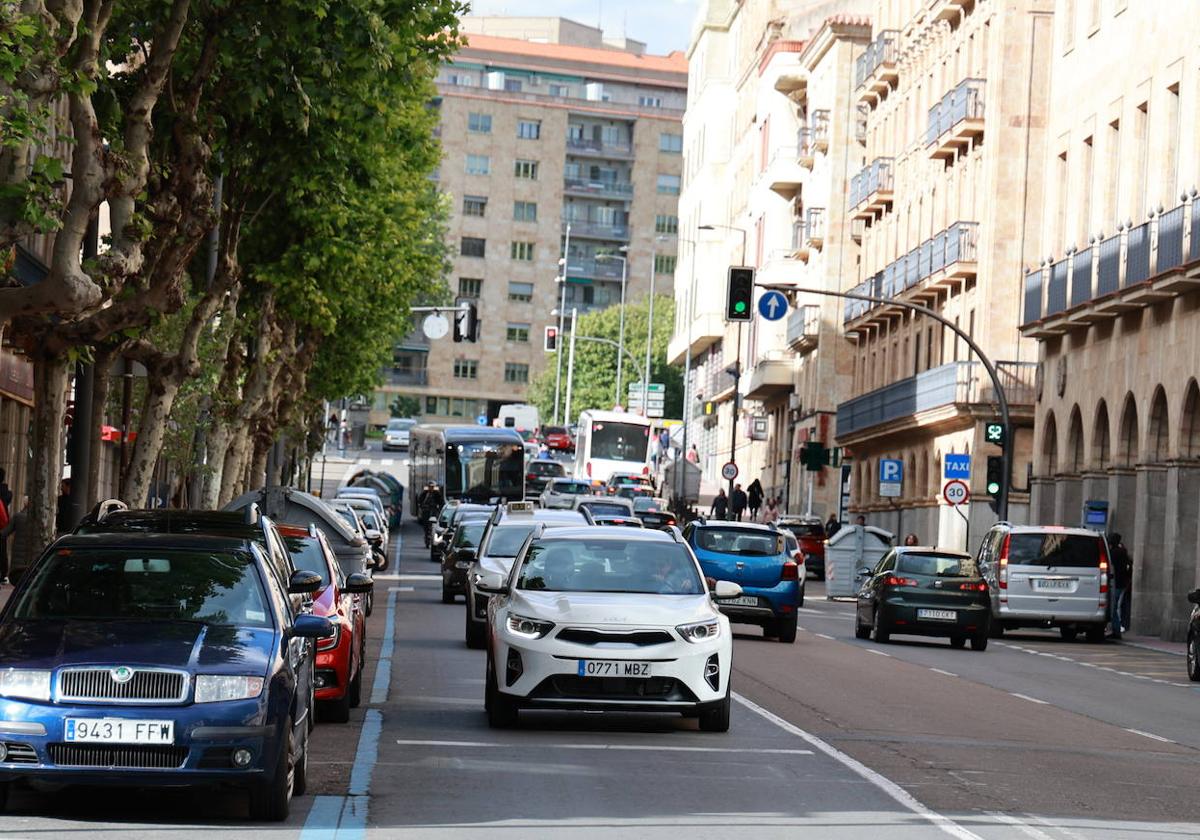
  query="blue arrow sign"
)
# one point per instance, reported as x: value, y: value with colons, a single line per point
x: 772, y: 305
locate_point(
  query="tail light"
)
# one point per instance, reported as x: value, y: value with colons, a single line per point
x: 790, y: 571
x: 892, y: 580
x: 530, y: 476
x: 670, y: 521
x: 1103, y: 574
x: 799, y: 557
x: 1002, y: 575
x: 646, y: 470
x: 974, y: 587
x: 588, y: 466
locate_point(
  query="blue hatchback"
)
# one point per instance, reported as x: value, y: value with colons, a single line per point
x: 760, y: 560
x: 151, y: 659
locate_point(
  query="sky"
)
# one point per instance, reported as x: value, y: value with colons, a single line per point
x: 664, y: 25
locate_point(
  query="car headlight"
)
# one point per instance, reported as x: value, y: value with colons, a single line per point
x: 29, y: 685
x: 330, y: 642
x: 700, y: 631
x: 528, y: 628
x: 213, y: 688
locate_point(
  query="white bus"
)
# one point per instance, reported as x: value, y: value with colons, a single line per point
x: 611, y: 442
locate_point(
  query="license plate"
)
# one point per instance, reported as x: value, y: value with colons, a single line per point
x: 744, y: 601
x: 1052, y: 584
x: 937, y: 615
x: 119, y: 731
x: 612, y: 668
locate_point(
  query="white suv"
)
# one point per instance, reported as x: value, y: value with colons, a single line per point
x: 608, y: 619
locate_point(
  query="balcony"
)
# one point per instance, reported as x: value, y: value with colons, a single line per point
x: 871, y: 190
x: 808, y: 234
x: 771, y: 376
x: 956, y: 120
x: 936, y: 266
x: 582, y: 147
x: 876, y: 70
x: 580, y: 268
x: 1134, y: 268
x: 803, y: 325
x: 783, y: 173
x: 819, y: 122
x: 948, y: 10
x: 598, y: 189
x: 937, y: 392
x: 582, y: 229
x: 403, y: 376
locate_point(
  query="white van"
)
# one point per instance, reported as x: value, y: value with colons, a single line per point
x: 520, y: 416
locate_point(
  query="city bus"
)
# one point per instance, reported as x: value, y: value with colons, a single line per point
x: 611, y: 442
x: 471, y: 463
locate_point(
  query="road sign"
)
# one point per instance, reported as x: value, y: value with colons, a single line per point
x: 435, y: 326
x: 956, y: 466
x: 730, y: 471
x: 481, y: 419
x: 773, y: 305
x: 891, y: 476
x: 652, y: 388
x: 956, y: 492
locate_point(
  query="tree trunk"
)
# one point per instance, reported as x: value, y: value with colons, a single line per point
x: 219, y: 438
x: 258, y: 465
x: 101, y: 377
x: 152, y: 429
x: 233, y: 474
x: 50, y: 374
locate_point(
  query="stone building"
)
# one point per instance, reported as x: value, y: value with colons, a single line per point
x: 1115, y: 299
x: 947, y: 187
x: 558, y: 126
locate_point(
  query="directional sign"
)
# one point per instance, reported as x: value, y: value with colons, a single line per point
x: 956, y: 492
x: 729, y: 471
x: 773, y: 305
x: 956, y: 466
x: 891, y: 476
x: 652, y: 388
x: 481, y: 419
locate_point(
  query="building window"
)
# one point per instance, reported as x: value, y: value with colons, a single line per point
x: 473, y: 246
x: 650, y: 101
x: 474, y: 205
x: 668, y: 184
x: 526, y: 169
x: 522, y: 251
x: 517, y: 332
x: 529, y: 129
x: 479, y: 123
x: 666, y: 224
x: 670, y: 142
x: 478, y: 164
x: 524, y: 211
x: 560, y: 90
x: 514, y: 372
x: 470, y: 287
x: 512, y: 85
x: 466, y: 369
x: 664, y: 264
x: 520, y: 292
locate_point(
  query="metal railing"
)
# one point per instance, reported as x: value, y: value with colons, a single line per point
x: 873, y: 177
x: 619, y: 189
x: 804, y: 322
x: 580, y: 144
x: 809, y: 229
x: 592, y: 267
x: 401, y: 376
x: 601, y: 229
x: 962, y: 102
x: 880, y: 51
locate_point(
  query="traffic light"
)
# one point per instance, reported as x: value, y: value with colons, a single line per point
x: 551, y: 339
x: 466, y: 322
x: 994, y: 433
x: 995, y: 474
x: 814, y: 456
x: 710, y: 408
x: 739, y: 303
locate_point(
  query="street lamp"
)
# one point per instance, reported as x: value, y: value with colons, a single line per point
x: 561, y: 278
x: 650, y: 325
x: 624, y: 249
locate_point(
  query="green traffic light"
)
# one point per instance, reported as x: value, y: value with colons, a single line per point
x: 993, y: 488
x: 739, y: 307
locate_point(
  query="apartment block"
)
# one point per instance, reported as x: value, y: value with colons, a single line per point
x: 559, y: 127
x: 1114, y: 300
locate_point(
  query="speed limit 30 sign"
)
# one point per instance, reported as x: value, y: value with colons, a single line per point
x: 956, y: 492
x: 729, y: 471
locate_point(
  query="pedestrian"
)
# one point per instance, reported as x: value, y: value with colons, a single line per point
x: 16, y: 561
x: 770, y: 512
x: 860, y: 520
x: 664, y: 445
x: 720, y: 505
x: 1122, y: 577
x: 737, y: 503
x: 754, y: 497
x: 832, y: 526
x: 911, y: 539
x: 62, y: 512
x: 693, y: 455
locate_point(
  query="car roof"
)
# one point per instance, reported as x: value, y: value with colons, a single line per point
x: 1049, y: 529
x: 175, y: 521
x: 741, y: 526
x: 143, y: 540
x: 597, y: 532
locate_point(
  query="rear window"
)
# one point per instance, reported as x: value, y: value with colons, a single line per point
x: 806, y: 529
x: 554, y: 430
x: 546, y: 468
x: 468, y: 534
x: 506, y: 540
x: 573, y: 488
x: 606, y: 508
x: 1067, y: 550
x: 400, y: 425
x: 937, y: 565
x: 739, y: 541
x: 644, y: 504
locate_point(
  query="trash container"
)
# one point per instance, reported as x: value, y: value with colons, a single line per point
x: 358, y: 436
x: 851, y: 548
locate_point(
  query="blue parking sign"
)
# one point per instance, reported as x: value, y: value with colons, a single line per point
x: 891, y: 476
x: 956, y: 466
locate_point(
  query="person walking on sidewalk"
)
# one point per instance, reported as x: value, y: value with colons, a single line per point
x: 754, y: 498
x: 831, y: 526
x: 1122, y: 577
x: 737, y: 503
x: 770, y: 512
x: 720, y: 505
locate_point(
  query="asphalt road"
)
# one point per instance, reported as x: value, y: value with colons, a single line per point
x: 831, y: 738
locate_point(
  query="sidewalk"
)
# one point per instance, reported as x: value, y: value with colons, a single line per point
x: 1152, y: 643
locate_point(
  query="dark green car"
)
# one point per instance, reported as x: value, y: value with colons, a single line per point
x: 921, y: 591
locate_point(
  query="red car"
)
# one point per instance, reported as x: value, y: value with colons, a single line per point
x: 810, y: 533
x: 557, y: 437
x: 341, y: 657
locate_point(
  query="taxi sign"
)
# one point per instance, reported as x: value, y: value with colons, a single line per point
x: 519, y: 507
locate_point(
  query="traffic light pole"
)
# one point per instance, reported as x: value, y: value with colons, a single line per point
x: 1001, y: 397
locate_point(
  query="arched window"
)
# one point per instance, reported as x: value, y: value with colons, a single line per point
x: 1189, y: 423
x: 1101, y: 449
x: 1075, y: 459
x: 1127, y: 436
x: 1159, y: 431
x: 1050, y: 445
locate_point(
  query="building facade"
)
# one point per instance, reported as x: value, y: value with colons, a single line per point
x: 953, y: 97
x: 1115, y: 301
x: 563, y: 129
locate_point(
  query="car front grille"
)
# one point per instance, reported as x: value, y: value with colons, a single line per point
x: 132, y: 756
x: 100, y: 685
x: 571, y: 687
x: 19, y: 753
x: 641, y: 638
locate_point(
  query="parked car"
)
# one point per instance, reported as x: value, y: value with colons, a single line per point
x: 557, y: 437
x: 653, y: 512
x: 755, y: 557
x: 810, y: 533
x: 1046, y: 576
x: 538, y: 474
x: 920, y: 591
x: 396, y: 435
x: 160, y: 659
x: 618, y: 480
x: 635, y: 491
x: 1193, y: 637
x: 457, y: 559
x: 562, y: 492
x: 341, y: 658
x: 604, y: 505
x: 619, y: 521
x: 607, y: 619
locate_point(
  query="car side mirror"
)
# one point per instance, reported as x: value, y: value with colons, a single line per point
x: 726, y: 589
x: 865, y: 571
x: 1194, y: 596
x: 304, y: 582
x: 490, y: 584
x: 359, y: 584
x: 468, y: 554
x: 312, y: 627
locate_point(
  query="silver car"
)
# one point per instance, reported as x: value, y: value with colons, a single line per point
x: 1047, y: 576
x: 562, y: 492
x: 395, y: 436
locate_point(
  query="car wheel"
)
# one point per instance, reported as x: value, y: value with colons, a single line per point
x: 337, y: 711
x: 271, y: 802
x: 1193, y: 658
x: 958, y: 641
x: 800, y: 599
x: 300, y: 770
x: 475, y: 632
x: 368, y: 604
x: 861, y: 631
x: 1068, y: 633
x: 501, y: 711
x: 785, y: 628
x: 979, y: 642
x: 447, y: 595
x: 995, y: 629
x: 878, y: 632
x: 716, y: 719
x: 355, y: 690
x: 1095, y: 634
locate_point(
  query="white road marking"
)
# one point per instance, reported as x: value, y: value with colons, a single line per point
x: 824, y: 636
x: 600, y: 747
x: 940, y: 671
x: 1150, y: 735
x: 897, y: 793
x: 879, y: 653
x: 362, y: 461
x: 1030, y: 699
x: 1027, y: 830
x: 1062, y: 829
x: 387, y: 462
x: 414, y: 577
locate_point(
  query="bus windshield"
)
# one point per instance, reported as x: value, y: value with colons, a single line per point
x: 619, y: 441
x: 480, y: 470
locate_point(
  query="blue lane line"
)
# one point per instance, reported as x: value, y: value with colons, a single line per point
x: 383, y: 671
x: 367, y: 754
x: 323, y: 819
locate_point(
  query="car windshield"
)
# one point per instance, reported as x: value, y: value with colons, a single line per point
x: 546, y: 468
x: 219, y: 588
x: 371, y: 520
x: 446, y: 515
x: 610, y: 565
x: 1053, y: 549
x: 940, y: 565
x: 308, y: 556
x: 646, y: 504
x: 570, y: 488
x: 468, y: 534
x: 620, y: 441
x: 609, y: 508
x: 350, y: 518
x: 740, y: 541
x: 506, y: 540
